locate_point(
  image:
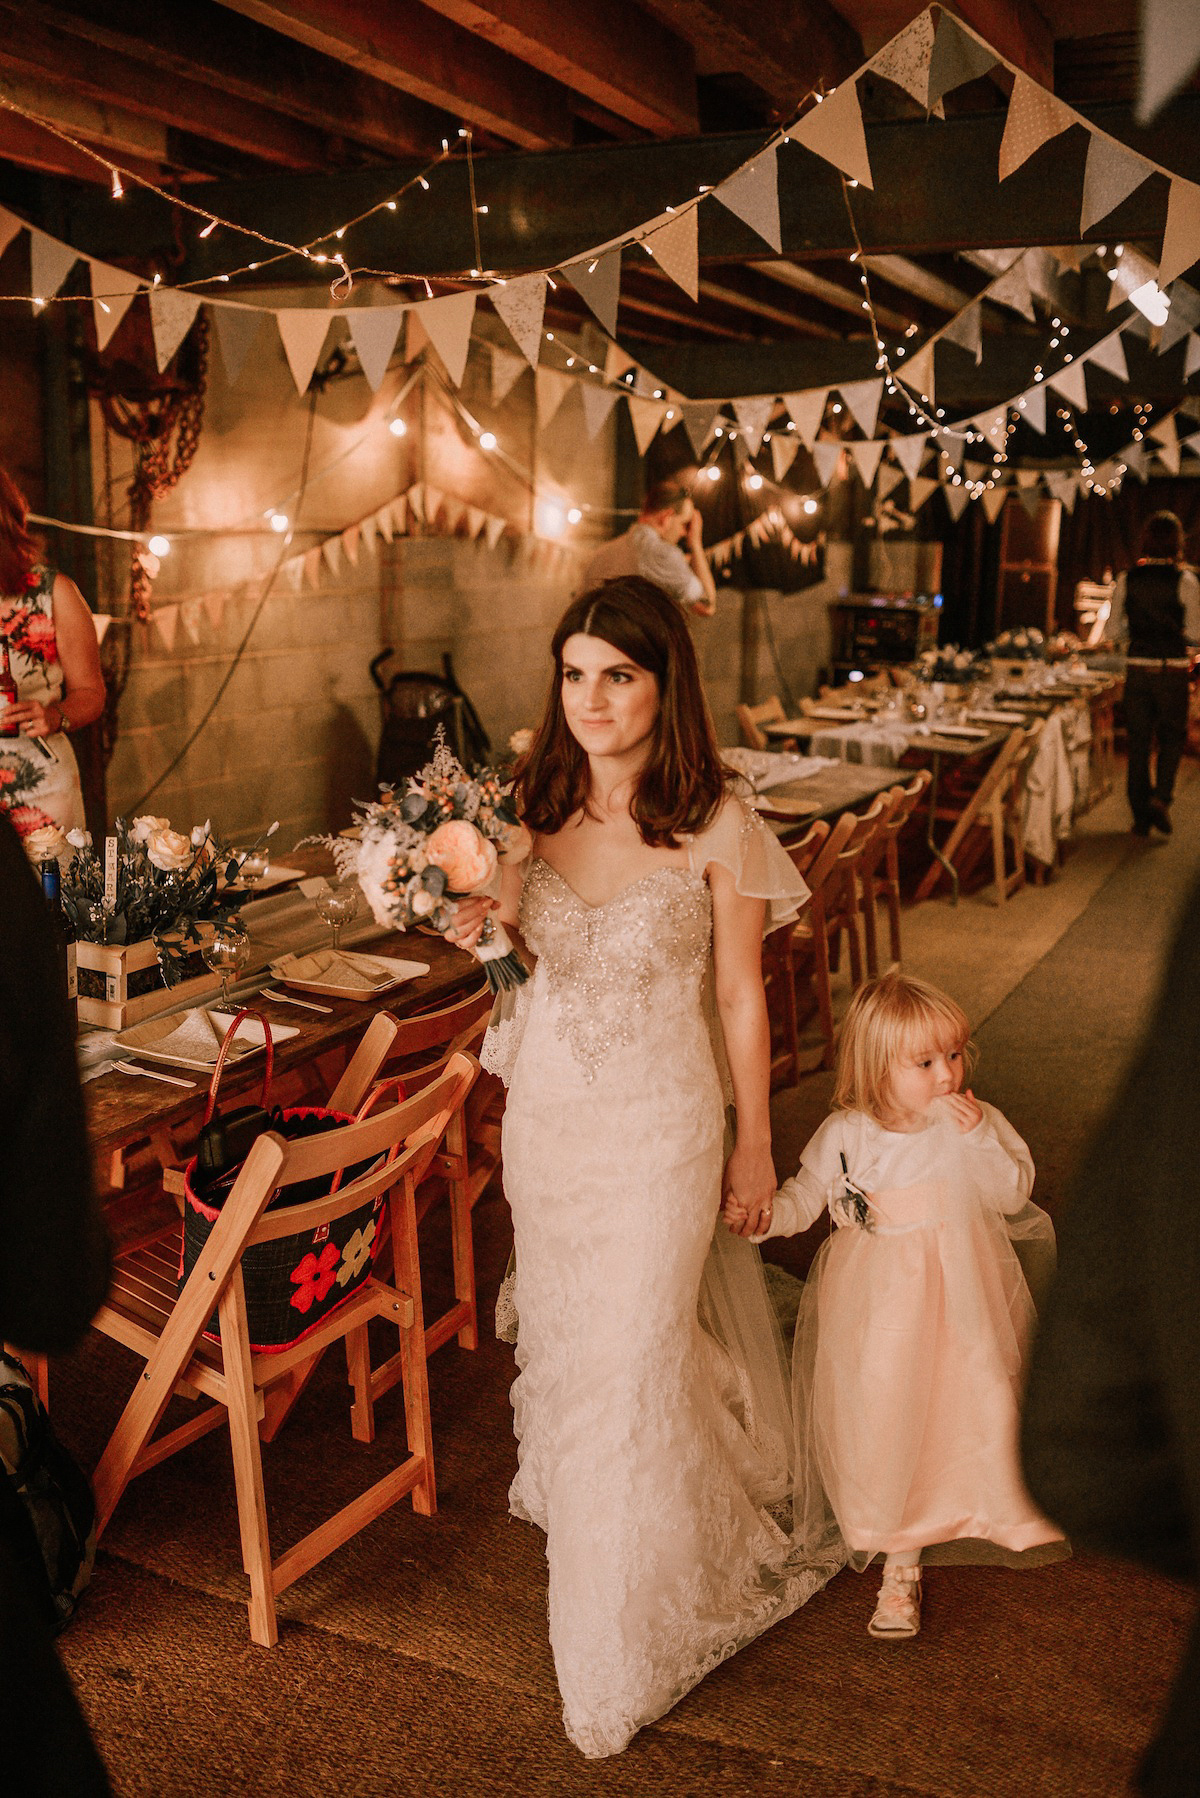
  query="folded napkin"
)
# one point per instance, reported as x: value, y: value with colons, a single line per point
x: 767, y: 768
x: 194, y: 1038
x: 334, y: 968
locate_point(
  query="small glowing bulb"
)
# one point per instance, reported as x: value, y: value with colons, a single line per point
x: 574, y: 515
x: 391, y: 205
x: 208, y: 229
x: 811, y: 506
x: 398, y: 428
x: 551, y: 518
x: 279, y: 522
x: 118, y: 192
x: 481, y: 209
x: 159, y: 546
x: 487, y: 440
x: 755, y: 482
x: 713, y: 474
x: 837, y: 406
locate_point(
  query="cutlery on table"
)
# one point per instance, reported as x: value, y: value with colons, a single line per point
x: 130, y: 1067
x: 269, y: 992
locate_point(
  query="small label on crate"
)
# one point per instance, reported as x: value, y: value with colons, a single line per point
x: 72, y: 973
x: 110, y: 873
x: 112, y: 988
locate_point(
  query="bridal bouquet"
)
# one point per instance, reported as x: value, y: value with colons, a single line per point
x: 442, y: 839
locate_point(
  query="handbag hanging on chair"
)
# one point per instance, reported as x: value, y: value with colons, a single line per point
x: 292, y: 1282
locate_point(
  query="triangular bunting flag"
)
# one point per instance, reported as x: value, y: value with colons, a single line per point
x: 699, y: 417
x: 993, y: 425
x: 1028, y: 477
x: 166, y: 621
x: 10, y: 224
x: 919, y: 490
x: 834, y: 130
x: 303, y: 333
x: 598, y: 403
x: 552, y: 389
x: 447, y: 323
x: 1191, y: 443
x: 505, y: 369
x: 214, y: 605
x: 1031, y: 499
x: 50, y: 262
x: 1109, y: 354
x: 350, y: 538
x: 493, y: 530
x: 597, y: 281
x: 826, y: 455
x: 754, y: 415
x: 957, y: 57
x: 1170, y: 49
x: 752, y: 194
x: 1112, y: 173
x: 112, y: 295
x: 1183, y: 316
x: 905, y: 60
x: 383, y: 521
x: 1165, y: 430
x: 476, y: 519
x: 863, y: 398
x: 1192, y: 360
x: 432, y: 499
x: 191, y: 612
x: 917, y: 373
x: 1071, y: 384
x: 1034, y: 117
x: 966, y: 329
x: 521, y: 303
x: 993, y: 502
x: 236, y: 328
x: 312, y: 567
x: 373, y: 332
x: 398, y: 514
x: 291, y: 573
x: 1064, y: 488
x: 887, y: 480
x: 1013, y: 290
x: 784, y: 448
x: 1168, y: 455
x: 171, y: 315
x: 866, y: 457
x: 1181, y: 239
x: 807, y: 409
x: 1133, y: 270
x: 645, y: 416
x: 617, y: 363
x: 331, y: 549
x: 452, y: 515
x: 956, y: 499
x: 1134, y: 458
x: 675, y: 247
x: 1034, y: 409
x: 101, y: 622
x: 367, y: 530
x: 415, y: 501
x: 952, y: 449
x: 909, y: 452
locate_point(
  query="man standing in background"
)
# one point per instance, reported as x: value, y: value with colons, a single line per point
x: 651, y: 548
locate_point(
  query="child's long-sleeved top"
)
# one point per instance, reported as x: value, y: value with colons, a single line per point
x: 912, y: 1332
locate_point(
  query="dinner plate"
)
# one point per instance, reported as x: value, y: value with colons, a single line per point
x: 141, y: 1039
x: 840, y: 713
x: 277, y: 875
x: 976, y: 731
x: 403, y: 970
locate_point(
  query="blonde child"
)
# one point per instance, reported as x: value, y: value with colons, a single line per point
x: 916, y: 1317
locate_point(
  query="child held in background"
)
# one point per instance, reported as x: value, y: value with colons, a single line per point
x: 916, y: 1317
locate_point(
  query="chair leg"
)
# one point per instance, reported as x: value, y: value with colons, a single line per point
x: 247, y: 1464
x: 412, y: 1345
x: 786, y: 984
x: 856, y: 952
x: 997, y: 815
x: 461, y: 1234
x: 870, y: 918
x: 358, y: 1366
x: 821, y: 982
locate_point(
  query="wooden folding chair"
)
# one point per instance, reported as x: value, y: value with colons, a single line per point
x: 879, y: 871
x: 871, y: 855
x: 807, y: 941
x: 989, y: 815
x: 147, y: 1313
x: 750, y: 717
x: 778, y: 974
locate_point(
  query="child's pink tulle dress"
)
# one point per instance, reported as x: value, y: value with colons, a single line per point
x: 911, y: 1339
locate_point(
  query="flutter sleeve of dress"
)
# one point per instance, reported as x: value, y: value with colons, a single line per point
x: 739, y: 841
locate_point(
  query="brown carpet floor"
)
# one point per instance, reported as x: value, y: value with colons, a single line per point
x: 415, y: 1661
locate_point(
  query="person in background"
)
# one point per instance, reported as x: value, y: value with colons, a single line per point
x: 1155, y: 618
x: 1111, y: 1432
x: 48, y: 649
x: 651, y: 548
x: 53, y: 1275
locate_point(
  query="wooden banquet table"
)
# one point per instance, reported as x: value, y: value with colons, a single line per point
x: 793, y: 805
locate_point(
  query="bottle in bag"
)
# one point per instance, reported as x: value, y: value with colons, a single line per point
x: 65, y: 933
x: 8, y: 694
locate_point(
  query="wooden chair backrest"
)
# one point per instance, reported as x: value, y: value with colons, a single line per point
x: 866, y: 826
x: 388, y: 1040
x: 827, y: 856
x: 872, y: 851
x: 805, y: 852
x: 907, y: 800
x: 749, y: 717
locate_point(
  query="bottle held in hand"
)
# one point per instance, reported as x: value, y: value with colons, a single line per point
x: 8, y: 694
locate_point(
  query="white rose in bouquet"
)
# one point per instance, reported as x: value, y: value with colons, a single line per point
x: 79, y: 839
x: 46, y: 845
x: 143, y: 828
x: 169, y: 850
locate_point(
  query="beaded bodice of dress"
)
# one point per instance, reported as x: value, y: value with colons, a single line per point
x: 609, y: 968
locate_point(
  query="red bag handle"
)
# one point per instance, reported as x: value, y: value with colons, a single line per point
x: 246, y: 1012
x: 367, y: 1105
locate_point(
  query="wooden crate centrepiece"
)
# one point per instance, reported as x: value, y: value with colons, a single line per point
x: 117, y: 962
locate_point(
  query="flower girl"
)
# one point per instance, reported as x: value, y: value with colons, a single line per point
x: 916, y: 1317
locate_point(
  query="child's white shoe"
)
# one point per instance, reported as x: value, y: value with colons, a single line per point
x: 898, y: 1612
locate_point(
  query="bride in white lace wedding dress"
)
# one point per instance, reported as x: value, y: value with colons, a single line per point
x: 651, y: 1407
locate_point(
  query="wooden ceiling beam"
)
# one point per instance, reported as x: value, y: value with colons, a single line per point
x: 611, y: 51
x: 844, y: 299
x: 935, y: 190
x: 903, y: 272
x: 783, y: 49
x: 198, y: 42
x: 417, y: 51
x: 71, y: 74
x: 88, y: 115
x: 30, y: 146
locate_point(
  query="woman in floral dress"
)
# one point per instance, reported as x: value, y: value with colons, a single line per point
x: 54, y: 658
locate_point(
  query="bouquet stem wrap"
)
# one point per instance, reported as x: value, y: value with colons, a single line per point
x: 502, y: 965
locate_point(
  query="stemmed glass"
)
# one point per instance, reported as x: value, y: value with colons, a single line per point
x: 226, y: 953
x: 252, y: 866
x: 337, y: 903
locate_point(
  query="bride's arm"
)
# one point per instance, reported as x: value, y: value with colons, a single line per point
x: 471, y: 914
x: 742, y: 1005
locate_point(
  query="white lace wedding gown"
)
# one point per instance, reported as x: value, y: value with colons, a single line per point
x: 649, y: 1450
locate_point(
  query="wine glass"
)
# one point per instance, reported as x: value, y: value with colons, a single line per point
x: 337, y: 904
x: 252, y: 866
x: 226, y: 953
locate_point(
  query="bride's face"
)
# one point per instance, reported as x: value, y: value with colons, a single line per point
x: 611, y: 703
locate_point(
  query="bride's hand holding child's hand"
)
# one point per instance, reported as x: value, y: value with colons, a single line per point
x: 965, y: 1109
x: 747, y: 1189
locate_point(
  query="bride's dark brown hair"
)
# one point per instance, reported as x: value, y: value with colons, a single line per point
x: 683, y: 780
